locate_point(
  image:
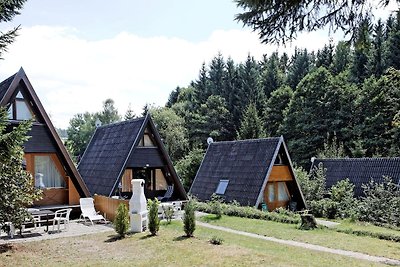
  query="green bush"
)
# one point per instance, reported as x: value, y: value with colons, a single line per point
x: 343, y: 194
x: 216, y: 207
x: 121, y: 222
x: 168, y: 213
x: 189, y: 219
x: 250, y: 212
x: 154, y: 221
x: 215, y: 240
x: 381, y: 203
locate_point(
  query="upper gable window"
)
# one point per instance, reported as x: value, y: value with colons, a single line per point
x: 147, y: 139
x: 221, y: 188
x: 19, y: 109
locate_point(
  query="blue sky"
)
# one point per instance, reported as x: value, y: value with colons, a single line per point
x: 79, y: 53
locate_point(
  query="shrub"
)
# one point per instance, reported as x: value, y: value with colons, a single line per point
x: 215, y: 205
x: 343, y: 194
x: 168, y: 213
x: 381, y: 203
x: 154, y: 221
x: 215, y: 240
x: 121, y: 221
x: 282, y: 215
x: 189, y: 219
x: 313, y: 184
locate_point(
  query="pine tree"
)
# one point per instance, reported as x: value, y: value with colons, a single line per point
x: 299, y: 67
x: 362, y: 49
x: 376, y: 63
x: 392, y: 51
x: 109, y: 114
x: 325, y: 56
x: 216, y: 75
x: 202, y: 87
x: 271, y: 76
x: 275, y: 107
x: 251, y: 90
x: 341, y: 57
x: 9, y: 9
x: 17, y: 190
x: 232, y: 91
x: 314, y: 112
x: 173, y: 97
x: 251, y: 126
x: 130, y: 114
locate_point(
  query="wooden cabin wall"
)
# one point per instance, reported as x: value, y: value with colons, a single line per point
x: 73, y: 195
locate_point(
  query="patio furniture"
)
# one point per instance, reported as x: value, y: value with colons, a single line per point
x: 168, y: 193
x: 61, y: 216
x: 88, y: 211
x: 40, y: 213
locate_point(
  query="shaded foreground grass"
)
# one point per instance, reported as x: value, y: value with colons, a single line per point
x: 169, y: 248
x: 322, y: 236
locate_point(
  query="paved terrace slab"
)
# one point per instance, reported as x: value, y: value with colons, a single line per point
x: 75, y: 229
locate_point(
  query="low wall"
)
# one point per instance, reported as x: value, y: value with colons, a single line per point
x: 108, y: 206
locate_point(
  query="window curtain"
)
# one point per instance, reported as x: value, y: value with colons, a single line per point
x: 282, y: 193
x: 46, y: 173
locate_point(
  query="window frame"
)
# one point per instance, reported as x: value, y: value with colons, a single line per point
x: 222, y: 186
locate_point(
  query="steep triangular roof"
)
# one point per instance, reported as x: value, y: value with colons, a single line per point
x: 245, y: 163
x: 8, y: 90
x: 359, y: 170
x: 107, y: 154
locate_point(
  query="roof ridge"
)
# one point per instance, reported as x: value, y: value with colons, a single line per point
x: 247, y: 140
x: 121, y: 122
x: 359, y: 159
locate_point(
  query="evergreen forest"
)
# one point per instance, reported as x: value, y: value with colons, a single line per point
x: 345, y: 97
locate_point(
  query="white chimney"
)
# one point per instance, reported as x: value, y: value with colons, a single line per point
x: 138, y: 207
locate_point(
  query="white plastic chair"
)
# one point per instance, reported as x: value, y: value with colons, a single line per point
x: 88, y: 211
x: 61, y: 216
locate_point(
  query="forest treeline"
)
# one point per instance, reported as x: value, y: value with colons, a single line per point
x: 344, y: 95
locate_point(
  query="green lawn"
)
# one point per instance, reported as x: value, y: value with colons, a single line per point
x: 169, y: 248
x: 322, y: 236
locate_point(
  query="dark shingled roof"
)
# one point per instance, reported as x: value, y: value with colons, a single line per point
x: 4, y: 85
x: 244, y: 163
x: 106, y: 154
x: 360, y: 170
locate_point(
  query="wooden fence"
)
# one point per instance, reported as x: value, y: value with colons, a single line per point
x: 108, y: 206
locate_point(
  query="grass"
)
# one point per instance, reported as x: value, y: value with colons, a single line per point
x: 321, y: 236
x: 169, y: 248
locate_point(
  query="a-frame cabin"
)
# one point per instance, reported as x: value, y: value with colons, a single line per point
x: 250, y: 172
x: 45, y: 156
x: 120, y: 152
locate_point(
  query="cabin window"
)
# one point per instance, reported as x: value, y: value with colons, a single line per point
x: 161, y: 182
x: 147, y: 139
x: 10, y: 112
x: 46, y: 173
x: 221, y: 188
x: 22, y: 110
x: 282, y: 192
x: 19, y: 109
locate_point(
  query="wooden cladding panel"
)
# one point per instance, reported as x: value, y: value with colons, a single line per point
x: 53, y: 196
x: 73, y: 195
x: 108, y: 206
x: 280, y: 173
x: 126, y: 181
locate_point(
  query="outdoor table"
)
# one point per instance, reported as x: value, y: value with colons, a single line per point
x: 43, y: 213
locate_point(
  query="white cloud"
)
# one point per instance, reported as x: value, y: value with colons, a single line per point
x: 73, y: 75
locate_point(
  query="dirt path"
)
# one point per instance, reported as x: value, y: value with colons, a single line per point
x: 347, y: 253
